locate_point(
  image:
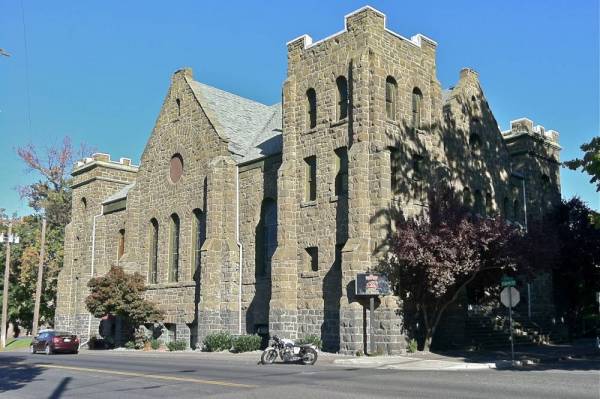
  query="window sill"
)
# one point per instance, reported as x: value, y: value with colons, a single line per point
x: 311, y: 274
x: 336, y: 198
x: 311, y: 131
x: 179, y: 284
x: 339, y: 123
x: 307, y: 204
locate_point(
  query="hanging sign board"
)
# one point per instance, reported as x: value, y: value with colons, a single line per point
x: 369, y: 284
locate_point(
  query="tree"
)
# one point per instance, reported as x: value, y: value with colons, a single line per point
x: 432, y: 259
x: 121, y: 294
x: 590, y: 163
x: 577, y: 275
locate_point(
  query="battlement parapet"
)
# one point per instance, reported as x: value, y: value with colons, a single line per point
x: 103, y: 159
x: 525, y: 126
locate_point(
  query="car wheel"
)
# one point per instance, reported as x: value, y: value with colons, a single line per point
x: 48, y: 350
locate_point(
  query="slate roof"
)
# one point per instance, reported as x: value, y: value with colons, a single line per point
x: 119, y: 195
x: 252, y: 129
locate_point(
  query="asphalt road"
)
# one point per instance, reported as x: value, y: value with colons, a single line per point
x: 131, y: 375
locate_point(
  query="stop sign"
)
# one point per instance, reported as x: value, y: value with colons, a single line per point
x: 510, y: 297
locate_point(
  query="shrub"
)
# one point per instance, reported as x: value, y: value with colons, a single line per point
x: 310, y: 339
x: 179, y: 345
x: 93, y: 342
x: 412, y: 346
x: 246, y: 343
x: 217, y: 342
x: 130, y: 345
x: 155, y: 344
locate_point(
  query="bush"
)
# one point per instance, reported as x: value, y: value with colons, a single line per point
x: 93, y: 342
x: 310, y: 339
x: 412, y: 346
x: 154, y: 344
x: 217, y: 342
x: 130, y: 345
x: 246, y: 343
x: 179, y: 345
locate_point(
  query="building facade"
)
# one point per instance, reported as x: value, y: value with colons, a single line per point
x: 253, y: 218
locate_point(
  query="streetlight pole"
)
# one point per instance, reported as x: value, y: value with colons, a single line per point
x: 5, y: 288
x: 38, y: 288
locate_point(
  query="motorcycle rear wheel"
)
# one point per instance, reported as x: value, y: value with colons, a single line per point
x: 268, y: 356
x: 309, y: 357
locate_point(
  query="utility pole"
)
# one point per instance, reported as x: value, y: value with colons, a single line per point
x: 7, y: 239
x: 38, y: 287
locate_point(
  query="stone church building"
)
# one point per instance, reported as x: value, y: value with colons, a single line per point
x: 255, y: 218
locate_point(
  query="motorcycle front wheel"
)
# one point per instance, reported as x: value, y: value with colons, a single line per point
x: 268, y: 356
x: 309, y: 357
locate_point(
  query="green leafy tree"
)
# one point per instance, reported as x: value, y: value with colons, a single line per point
x: 590, y: 163
x: 121, y: 294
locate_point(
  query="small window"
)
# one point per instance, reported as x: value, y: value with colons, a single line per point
x: 391, y: 90
x: 418, y: 167
x: 479, y: 205
x: 178, y: 102
x: 506, y: 208
x: 341, y: 171
x: 121, y: 247
x: 516, y: 211
x: 174, y: 249
x: 311, y: 108
x: 467, y: 198
x: 312, y: 258
x: 153, y: 238
x: 310, y: 176
x: 83, y: 204
x: 475, y: 144
x: 489, y: 204
x: 545, y: 182
x: 266, y: 237
x: 342, y: 97
x: 417, y: 103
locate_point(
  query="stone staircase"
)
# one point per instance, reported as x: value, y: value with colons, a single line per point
x: 492, y: 331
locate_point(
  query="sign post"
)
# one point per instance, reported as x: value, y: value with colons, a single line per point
x: 510, y: 297
x: 372, y: 285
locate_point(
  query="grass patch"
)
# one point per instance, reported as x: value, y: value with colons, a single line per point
x: 18, y: 344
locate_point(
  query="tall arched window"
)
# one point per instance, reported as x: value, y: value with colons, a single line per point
x: 506, y: 208
x: 83, y: 204
x: 417, y: 103
x: 311, y: 108
x: 342, y: 97
x: 198, y: 237
x: 391, y: 89
x: 174, y: 248
x: 266, y: 237
x: 516, y: 211
x: 178, y: 101
x: 153, y: 264
x: 341, y: 171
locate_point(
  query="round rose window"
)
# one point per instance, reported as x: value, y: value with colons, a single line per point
x: 176, y: 168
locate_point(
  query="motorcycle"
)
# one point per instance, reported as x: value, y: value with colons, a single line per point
x: 288, y: 351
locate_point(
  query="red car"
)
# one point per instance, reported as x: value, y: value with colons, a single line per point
x: 50, y: 341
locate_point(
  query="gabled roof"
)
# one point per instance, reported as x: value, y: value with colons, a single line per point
x: 253, y: 130
x: 119, y: 195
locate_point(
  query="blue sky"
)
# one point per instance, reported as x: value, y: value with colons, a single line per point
x: 98, y: 71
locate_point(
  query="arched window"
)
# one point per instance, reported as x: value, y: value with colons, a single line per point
x: 479, y: 206
x: 475, y: 144
x: 178, y: 101
x: 342, y: 97
x: 153, y: 241
x: 174, y: 248
x: 198, y: 237
x: 391, y: 89
x: 121, y: 246
x: 417, y: 101
x: 341, y: 171
x: 83, y: 204
x: 506, y: 208
x: 516, y: 211
x: 266, y: 237
x: 467, y: 198
x: 311, y: 108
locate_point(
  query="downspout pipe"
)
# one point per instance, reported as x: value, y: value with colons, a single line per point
x: 92, y: 272
x: 239, y: 244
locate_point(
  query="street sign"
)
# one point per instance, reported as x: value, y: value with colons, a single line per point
x: 510, y: 297
x: 372, y: 284
x: 507, y: 281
